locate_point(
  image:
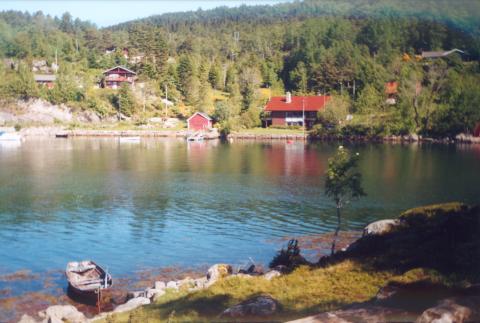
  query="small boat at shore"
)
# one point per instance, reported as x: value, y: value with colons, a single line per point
x: 87, y: 278
x: 10, y: 136
x: 129, y: 139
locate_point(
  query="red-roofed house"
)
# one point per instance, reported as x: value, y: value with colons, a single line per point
x: 291, y: 110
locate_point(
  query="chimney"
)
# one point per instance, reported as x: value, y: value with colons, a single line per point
x: 288, y: 97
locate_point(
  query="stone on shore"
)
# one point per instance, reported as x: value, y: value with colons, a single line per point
x: 272, y: 274
x: 152, y: 293
x: 447, y: 311
x: 135, y: 294
x: 27, y: 319
x: 132, y: 304
x: 60, y: 313
x: 160, y: 285
x: 381, y: 227
x: 263, y: 305
x: 172, y: 284
x: 217, y: 272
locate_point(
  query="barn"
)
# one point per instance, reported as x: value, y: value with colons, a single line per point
x: 199, y: 121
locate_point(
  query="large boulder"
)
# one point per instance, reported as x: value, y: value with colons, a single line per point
x: 59, y: 313
x: 381, y: 227
x: 132, y: 304
x: 217, y: 272
x: 263, y: 305
x: 447, y: 311
x: 272, y: 274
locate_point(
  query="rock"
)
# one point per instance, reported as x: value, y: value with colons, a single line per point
x: 414, y: 137
x: 152, y: 293
x: 160, y: 285
x: 60, y: 313
x: 252, y: 270
x: 200, y: 282
x: 218, y: 271
x: 281, y: 268
x: 263, y: 305
x: 381, y: 227
x: 386, y: 292
x: 135, y: 294
x: 447, y: 311
x: 27, y: 319
x: 272, y: 274
x: 172, y: 284
x: 132, y: 304
x: 370, y: 314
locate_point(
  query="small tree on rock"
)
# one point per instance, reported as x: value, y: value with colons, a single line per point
x: 343, y: 183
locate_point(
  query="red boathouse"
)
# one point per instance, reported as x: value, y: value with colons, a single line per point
x: 199, y: 121
x: 291, y: 110
x: 115, y: 77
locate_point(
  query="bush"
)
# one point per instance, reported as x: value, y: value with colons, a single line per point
x: 290, y: 257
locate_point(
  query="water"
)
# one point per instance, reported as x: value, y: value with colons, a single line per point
x: 167, y: 202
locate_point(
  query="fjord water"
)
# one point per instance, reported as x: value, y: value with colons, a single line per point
x: 161, y: 203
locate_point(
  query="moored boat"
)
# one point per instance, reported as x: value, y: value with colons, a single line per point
x: 130, y: 139
x: 87, y: 278
x: 10, y: 136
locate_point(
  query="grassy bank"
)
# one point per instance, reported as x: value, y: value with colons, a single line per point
x: 354, y: 276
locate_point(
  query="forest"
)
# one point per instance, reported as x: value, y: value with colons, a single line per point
x: 229, y: 61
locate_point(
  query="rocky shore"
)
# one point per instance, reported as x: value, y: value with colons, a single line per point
x: 419, y: 267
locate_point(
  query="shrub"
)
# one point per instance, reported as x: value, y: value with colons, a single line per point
x: 290, y: 257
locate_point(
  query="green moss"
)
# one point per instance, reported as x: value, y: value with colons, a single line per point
x: 434, y: 210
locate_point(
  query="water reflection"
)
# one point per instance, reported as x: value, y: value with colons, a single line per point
x: 164, y: 202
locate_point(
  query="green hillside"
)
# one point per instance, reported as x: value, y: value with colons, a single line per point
x: 229, y: 61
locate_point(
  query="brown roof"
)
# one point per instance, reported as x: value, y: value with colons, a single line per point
x: 442, y: 53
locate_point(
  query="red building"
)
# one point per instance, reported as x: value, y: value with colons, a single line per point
x: 115, y: 77
x: 199, y: 121
x: 391, y: 90
x: 291, y: 110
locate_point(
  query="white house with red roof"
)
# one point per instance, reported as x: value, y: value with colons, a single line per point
x: 291, y: 110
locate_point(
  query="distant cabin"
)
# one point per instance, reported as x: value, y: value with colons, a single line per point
x: 391, y: 90
x: 47, y: 80
x: 291, y: 110
x: 441, y: 53
x: 117, y: 76
x: 199, y: 121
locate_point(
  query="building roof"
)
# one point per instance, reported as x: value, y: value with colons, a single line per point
x: 310, y: 103
x: 120, y: 67
x: 201, y: 114
x: 391, y: 87
x: 442, y: 53
x: 44, y: 77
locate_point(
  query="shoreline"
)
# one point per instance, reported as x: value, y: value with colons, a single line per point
x: 184, y: 133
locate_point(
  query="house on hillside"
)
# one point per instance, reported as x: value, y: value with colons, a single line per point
x: 391, y: 90
x: 199, y: 121
x: 291, y: 110
x: 117, y: 76
x: 441, y: 53
x: 47, y: 80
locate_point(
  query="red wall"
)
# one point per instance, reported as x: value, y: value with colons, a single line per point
x: 198, y: 123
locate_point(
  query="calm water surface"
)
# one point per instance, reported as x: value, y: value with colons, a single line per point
x: 167, y: 202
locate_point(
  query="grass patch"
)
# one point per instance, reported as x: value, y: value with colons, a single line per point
x: 305, y: 291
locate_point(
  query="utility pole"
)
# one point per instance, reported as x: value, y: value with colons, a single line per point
x: 166, y: 100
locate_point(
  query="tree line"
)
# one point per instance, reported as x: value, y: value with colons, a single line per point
x: 229, y: 61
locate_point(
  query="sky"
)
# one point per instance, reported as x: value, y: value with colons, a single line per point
x: 109, y: 12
